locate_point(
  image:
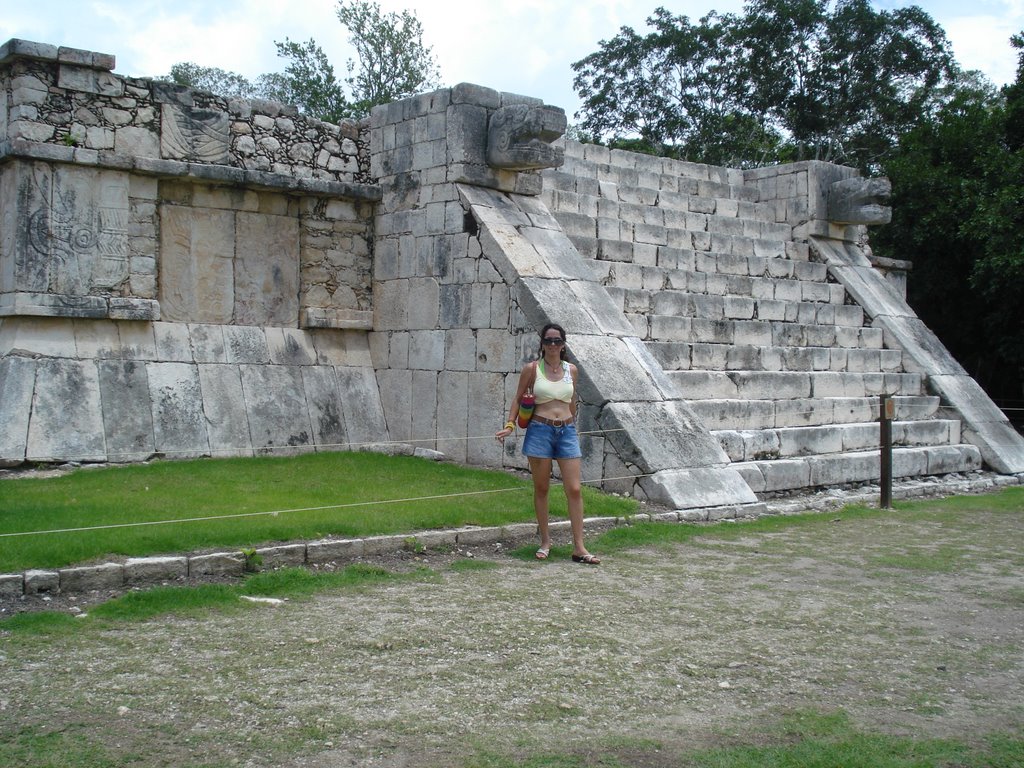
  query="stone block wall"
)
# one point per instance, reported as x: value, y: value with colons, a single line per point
x: 180, y: 274
x: 443, y: 339
x: 71, y: 98
x: 121, y: 193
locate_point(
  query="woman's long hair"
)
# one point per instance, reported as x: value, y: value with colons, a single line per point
x: 543, y: 333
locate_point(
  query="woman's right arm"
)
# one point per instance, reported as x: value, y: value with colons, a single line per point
x: 525, y: 380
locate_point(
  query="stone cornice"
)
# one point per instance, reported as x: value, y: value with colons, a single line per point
x: 213, y: 174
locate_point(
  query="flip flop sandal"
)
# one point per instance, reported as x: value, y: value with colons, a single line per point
x: 542, y: 553
x: 586, y: 559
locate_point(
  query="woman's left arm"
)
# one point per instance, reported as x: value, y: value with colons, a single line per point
x: 575, y: 386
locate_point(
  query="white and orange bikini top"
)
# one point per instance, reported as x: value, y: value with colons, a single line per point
x: 546, y: 390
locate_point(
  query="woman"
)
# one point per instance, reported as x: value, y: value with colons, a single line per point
x: 551, y: 436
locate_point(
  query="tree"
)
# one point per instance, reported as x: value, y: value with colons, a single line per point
x: 212, y: 79
x: 308, y: 82
x: 671, y: 92
x: 787, y: 80
x: 958, y: 215
x: 393, y: 62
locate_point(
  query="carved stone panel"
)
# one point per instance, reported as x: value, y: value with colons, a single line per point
x: 267, y: 270
x: 196, y: 264
x: 200, y: 135
x: 65, y: 230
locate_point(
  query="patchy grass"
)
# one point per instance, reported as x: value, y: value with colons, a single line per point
x: 284, y: 584
x: 802, y: 740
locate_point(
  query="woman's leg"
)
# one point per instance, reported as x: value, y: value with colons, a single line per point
x: 540, y: 470
x: 572, y: 483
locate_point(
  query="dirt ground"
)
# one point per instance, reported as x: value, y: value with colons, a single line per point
x: 913, y: 624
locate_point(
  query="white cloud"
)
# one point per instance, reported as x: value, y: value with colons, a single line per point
x: 983, y: 43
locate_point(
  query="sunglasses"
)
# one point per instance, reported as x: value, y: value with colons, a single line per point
x: 551, y: 341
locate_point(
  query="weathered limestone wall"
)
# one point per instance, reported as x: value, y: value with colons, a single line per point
x: 180, y: 274
x: 440, y: 339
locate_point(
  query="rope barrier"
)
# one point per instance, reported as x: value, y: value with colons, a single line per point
x: 276, y: 512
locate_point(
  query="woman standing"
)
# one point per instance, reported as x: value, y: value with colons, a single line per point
x: 551, y: 436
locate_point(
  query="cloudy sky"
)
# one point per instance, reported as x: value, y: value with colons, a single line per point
x: 523, y: 46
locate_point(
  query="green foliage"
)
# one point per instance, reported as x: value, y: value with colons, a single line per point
x: 787, y: 80
x: 212, y: 79
x: 391, y: 63
x: 253, y: 560
x: 308, y: 82
x: 958, y: 215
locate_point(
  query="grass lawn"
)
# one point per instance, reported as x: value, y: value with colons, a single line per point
x: 183, y: 506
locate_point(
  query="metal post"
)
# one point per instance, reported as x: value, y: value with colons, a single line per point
x: 886, y: 410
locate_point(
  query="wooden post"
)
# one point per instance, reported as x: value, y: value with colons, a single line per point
x: 886, y: 411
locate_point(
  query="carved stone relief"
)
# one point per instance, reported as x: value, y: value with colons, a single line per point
x: 267, y: 270
x: 195, y: 134
x: 71, y: 231
x: 519, y: 137
x: 197, y: 247
x: 860, y: 201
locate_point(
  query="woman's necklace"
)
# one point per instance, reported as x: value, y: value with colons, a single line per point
x: 550, y: 368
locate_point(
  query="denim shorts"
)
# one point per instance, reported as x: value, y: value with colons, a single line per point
x: 544, y: 441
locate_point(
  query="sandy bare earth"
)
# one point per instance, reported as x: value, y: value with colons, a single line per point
x: 911, y: 626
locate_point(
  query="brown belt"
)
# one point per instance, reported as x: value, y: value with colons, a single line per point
x: 554, y: 422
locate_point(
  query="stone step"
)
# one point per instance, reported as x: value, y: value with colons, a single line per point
x: 718, y: 307
x: 726, y: 413
x: 683, y: 356
x: 636, y: 286
x: 792, y: 385
x: 678, y: 268
x: 764, y: 476
x: 788, y: 442
x: 650, y: 180
x: 755, y: 333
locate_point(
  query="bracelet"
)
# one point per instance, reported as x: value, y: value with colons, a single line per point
x: 510, y: 425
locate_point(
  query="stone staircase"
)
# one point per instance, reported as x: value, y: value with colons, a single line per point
x: 781, y: 365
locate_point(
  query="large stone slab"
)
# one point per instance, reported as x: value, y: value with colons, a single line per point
x: 660, y: 436
x: 617, y: 370
x: 923, y: 352
x: 66, y: 420
x: 143, y: 569
x: 452, y: 413
x: 179, y: 424
x: 17, y: 382
x: 227, y: 423
x: 361, y: 405
x: 579, y: 307
x: 275, y: 400
x: 266, y: 270
x: 985, y: 426
x: 196, y: 264
x: 325, y: 410
x: 697, y: 488
x: 92, y: 577
x: 127, y: 415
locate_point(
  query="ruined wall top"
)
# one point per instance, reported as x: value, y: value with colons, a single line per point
x: 67, y: 105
